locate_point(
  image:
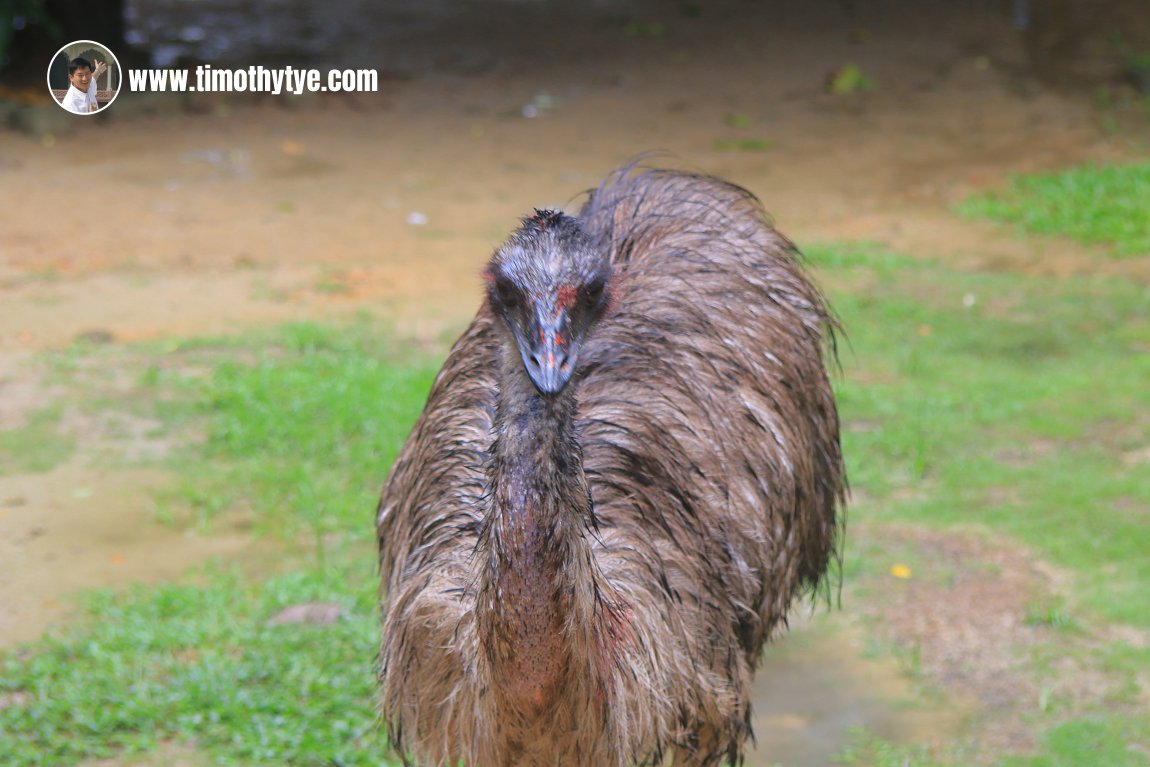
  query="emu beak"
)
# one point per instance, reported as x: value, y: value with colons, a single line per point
x: 549, y: 354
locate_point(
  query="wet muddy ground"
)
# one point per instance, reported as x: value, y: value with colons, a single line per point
x: 176, y: 217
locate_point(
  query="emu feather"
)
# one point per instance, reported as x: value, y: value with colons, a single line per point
x: 626, y: 472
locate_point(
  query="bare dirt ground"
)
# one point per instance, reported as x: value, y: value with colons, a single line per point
x: 178, y: 217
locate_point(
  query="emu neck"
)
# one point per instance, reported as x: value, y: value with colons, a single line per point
x: 539, y: 508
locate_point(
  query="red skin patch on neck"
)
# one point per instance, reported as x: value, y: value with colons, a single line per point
x: 565, y: 296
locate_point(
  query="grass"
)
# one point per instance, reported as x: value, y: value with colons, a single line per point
x: 980, y: 387
x: 200, y: 663
x: 870, y: 751
x: 300, y: 428
x: 303, y: 436
x: 1013, y: 405
x: 1102, y: 741
x: 36, y: 446
x: 850, y: 78
x: 1005, y: 403
x: 741, y: 145
x: 1096, y: 205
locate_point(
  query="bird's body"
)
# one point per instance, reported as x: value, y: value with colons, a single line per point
x: 625, y: 472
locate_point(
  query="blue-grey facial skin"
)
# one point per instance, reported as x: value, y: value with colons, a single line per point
x: 549, y: 353
x: 549, y: 299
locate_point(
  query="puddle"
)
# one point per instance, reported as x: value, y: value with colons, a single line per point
x: 817, y: 686
x: 76, y: 528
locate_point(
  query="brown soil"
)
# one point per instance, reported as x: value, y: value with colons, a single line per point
x: 259, y: 210
x: 965, y: 617
x: 76, y: 527
x: 973, y: 617
x: 183, y: 217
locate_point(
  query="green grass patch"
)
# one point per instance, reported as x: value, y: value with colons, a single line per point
x: 1096, y: 205
x: 742, y: 145
x: 200, y: 665
x: 868, y: 750
x: 37, y: 445
x: 739, y: 120
x: 299, y: 427
x: 1112, y: 741
x: 301, y: 433
x: 1007, y: 402
x: 850, y: 78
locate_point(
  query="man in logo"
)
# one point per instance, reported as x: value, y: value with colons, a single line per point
x: 81, y: 96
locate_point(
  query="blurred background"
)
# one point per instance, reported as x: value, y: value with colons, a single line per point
x: 220, y: 313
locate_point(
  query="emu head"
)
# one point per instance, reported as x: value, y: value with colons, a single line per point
x: 549, y: 284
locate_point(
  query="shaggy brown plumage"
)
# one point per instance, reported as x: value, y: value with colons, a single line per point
x: 626, y: 471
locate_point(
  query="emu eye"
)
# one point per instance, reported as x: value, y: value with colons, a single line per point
x: 506, y: 292
x: 593, y: 293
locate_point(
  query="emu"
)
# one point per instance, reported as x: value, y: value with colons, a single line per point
x: 625, y: 473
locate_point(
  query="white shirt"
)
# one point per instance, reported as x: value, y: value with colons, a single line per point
x: 75, y: 100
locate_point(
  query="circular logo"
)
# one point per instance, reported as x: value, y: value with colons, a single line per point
x: 84, y: 77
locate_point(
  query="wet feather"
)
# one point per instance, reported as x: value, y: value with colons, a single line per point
x: 598, y: 591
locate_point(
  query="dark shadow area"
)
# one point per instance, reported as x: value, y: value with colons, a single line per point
x: 1066, y: 42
